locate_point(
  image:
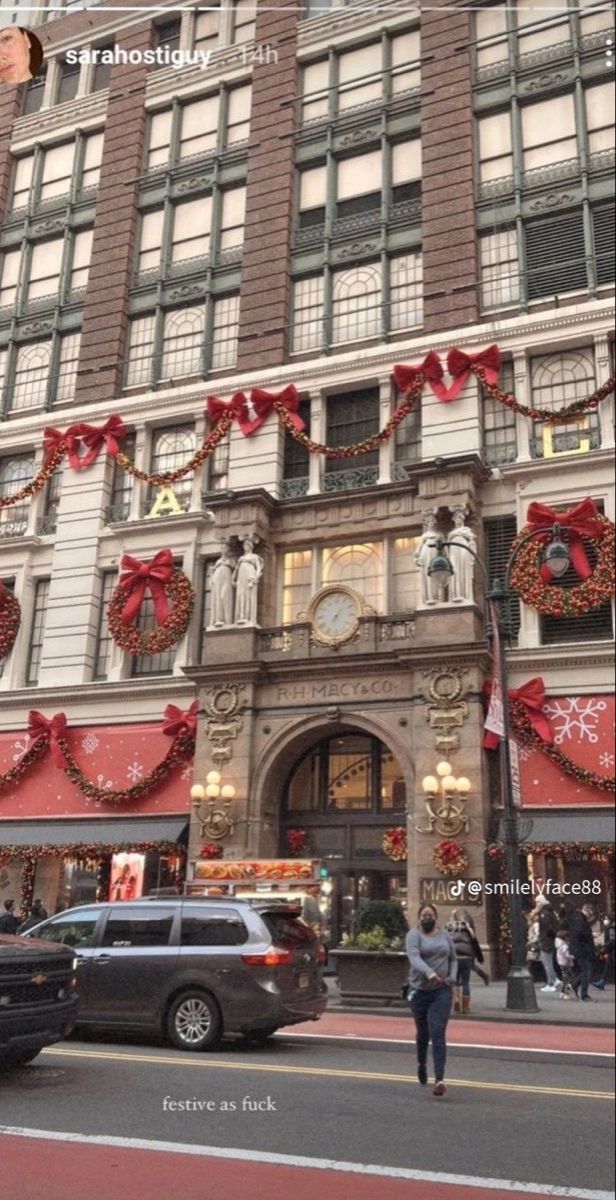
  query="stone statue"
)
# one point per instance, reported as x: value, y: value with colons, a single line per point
x: 246, y: 576
x: 222, y: 590
x: 461, y: 584
x: 427, y: 549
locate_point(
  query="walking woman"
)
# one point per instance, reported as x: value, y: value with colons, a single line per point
x: 433, y: 973
x: 462, y: 930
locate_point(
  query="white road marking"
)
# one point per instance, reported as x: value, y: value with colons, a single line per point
x: 318, y: 1164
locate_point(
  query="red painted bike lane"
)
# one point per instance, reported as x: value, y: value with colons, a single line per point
x: 50, y: 1170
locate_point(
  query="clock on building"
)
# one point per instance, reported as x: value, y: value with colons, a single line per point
x: 334, y: 613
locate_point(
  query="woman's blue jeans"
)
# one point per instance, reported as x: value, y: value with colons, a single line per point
x: 431, y: 1008
x: 465, y: 966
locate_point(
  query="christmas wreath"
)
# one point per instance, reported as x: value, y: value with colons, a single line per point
x: 297, y: 842
x: 529, y: 577
x: 395, y: 843
x: 10, y: 620
x: 211, y: 850
x: 450, y: 858
x: 164, y: 582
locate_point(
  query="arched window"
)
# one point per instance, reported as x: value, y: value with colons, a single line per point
x: 359, y: 566
x: 351, y: 773
x: 357, y: 302
x: 557, y: 380
x: 183, y: 342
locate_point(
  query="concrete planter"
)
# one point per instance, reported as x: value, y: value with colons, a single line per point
x: 372, y: 975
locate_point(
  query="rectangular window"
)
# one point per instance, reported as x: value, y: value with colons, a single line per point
x: 405, y: 583
x: 159, y: 138
x: 22, y: 183
x: 57, y: 171
x: 225, y: 332
x: 150, y: 241
x: 296, y: 585
x: 312, y: 197
x: 68, y: 361
x: 92, y: 155
x: 495, y: 150
x: 548, y: 132
x: 405, y: 291
x: 315, y: 91
x: 35, y: 90
x: 243, y: 21
x: 68, y: 82
x: 500, y: 275
x: 192, y: 221
x: 604, y: 239
x: 500, y: 533
x: 102, y: 70
x: 539, y: 28
x: 405, y: 63
x: 15, y: 473
x: 31, y: 375
x: 140, y: 349
x: 232, y: 220
x: 491, y: 35
x: 555, y: 254
x: 352, y: 417
x: 53, y: 493
x: 45, y: 263
x: 297, y: 457
x: 206, y: 29
x: 558, y: 380
x: 206, y: 606
x: 359, y: 184
x: 406, y: 171
x: 82, y: 253
x: 500, y: 444
x: 307, y: 313
x: 359, y: 77
x: 600, y: 102
x: 9, y: 277
x: 167, y: 38
x: 171, y: 448
x: 594, y: 17
x: 357, y: 296
x: 349, y: 775
x: 37, y: 630
x: 593, y: 626
x: 104, y: 641
x: 198, y: 127
x: 238, y: 115
x: 221, y: 928
x: 407, y: 440
x: 183, y: 336
x: 122, y: 485
x: 136, y: 927
x: 151, y: 664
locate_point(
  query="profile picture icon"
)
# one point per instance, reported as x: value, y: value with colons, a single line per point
x: 21, y: 55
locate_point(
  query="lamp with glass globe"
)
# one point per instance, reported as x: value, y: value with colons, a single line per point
x: 217, y: 822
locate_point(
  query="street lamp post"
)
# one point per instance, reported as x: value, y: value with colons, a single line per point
x: 520, y: 988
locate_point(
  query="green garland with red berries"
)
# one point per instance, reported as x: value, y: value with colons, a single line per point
x: 554, y: 601
x: 10, y: 620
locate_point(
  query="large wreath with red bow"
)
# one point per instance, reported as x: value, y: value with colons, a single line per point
x: 450, y: 858
x: 529, y: 577
x: 165, y: 583
x: 394, y: 843
x: 10, y: 620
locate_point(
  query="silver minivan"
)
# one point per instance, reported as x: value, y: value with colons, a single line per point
x: 194, y: 969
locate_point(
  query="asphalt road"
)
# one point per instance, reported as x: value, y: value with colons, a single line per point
x: 543, y: 1122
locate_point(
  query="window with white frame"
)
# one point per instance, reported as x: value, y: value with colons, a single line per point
x: 356, y: 302
x: 491, y: 35
x: 315, y: 91
x: 140, y: 350
x: 407, y: 441
x: 68, y: 361
x: 198, y: 126
x: 312, y: 197
x: 500, y: 440
x: 405, y: 62
x: 405, y: 575
x: 539, y: 27
x: 15, y: 472
x: 359, y: 184
x: 172, y: 448
x: 232, y: 218
x: 92, y: 156
x: 238, y: 114
x: 557, y: 380
x: 51, y: 502
x: 82, y: 253
x: 360, y: 567
x: 406, y: 171
x: 206, y: 28
x: 22, y: 182
x: 359, y: 76
x: 101, y: 75
x: 183, y: 334
x: 600, y: 102
x: 225, y: 332
x: 44, y: 274
x: 9, y: 277
x: 122, y: 484
x: 104, y: 641
x: 31, y: 375
x: 191, y: 229
x: 352, y: 417
x: 68, y: 81
x: 495, y: 149
x: 150, y: 240
x: 182, y: 350
x: 499, y: 265
x: 548, y: 132
x: 405, y: 291
x: 296, y: 585
x: 159, y: 139
x: 594, y: 16
x: 57, y: 171
x: 37, y: 630
x: 244, y: 13
x: 308, y: 313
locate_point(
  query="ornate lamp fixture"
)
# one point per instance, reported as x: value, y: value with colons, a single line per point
x: 217, y: 821
x: 445, y: 810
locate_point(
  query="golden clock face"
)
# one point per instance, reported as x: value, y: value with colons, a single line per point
x: 335, y: 614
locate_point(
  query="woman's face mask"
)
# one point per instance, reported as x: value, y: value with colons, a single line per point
x: 427, y: 923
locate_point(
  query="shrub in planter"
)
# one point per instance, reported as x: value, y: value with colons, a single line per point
x: 385, y: 916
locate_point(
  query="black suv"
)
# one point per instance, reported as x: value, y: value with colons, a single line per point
x: 37, y: 997
x: 192, y: 968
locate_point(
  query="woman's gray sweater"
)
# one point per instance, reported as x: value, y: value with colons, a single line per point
x: 428, y: 953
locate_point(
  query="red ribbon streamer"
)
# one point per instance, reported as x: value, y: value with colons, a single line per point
x: 581, y: 521
x: 177, y: 721
x: 237, y: 407
x: 263, y: 404
x: 141, y: 576
x: 430, y: 368
x: 40, y: 726
x: 532, y: 696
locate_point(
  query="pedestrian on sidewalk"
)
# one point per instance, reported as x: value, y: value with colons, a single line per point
x: 432, y: 976
x: 9, y: 923
x: 462, y: 930
x: 566, y: 962
x: 548, y: 928
x: 609, y: 944
x: 582, y: 947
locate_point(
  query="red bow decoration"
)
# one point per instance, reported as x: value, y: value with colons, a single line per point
x: 460, y: 365
x: 430, y: 368
x: 40, y: 726
x: 141, y: 576
x: 52, y: 438
x: 263, y: 403
x: 177, y: 721
x: 237, y: 407
x: 581, y: 521
x: 532, y: 696
x: 94, y: 437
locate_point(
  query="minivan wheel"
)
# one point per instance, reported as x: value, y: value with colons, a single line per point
x: 194, y: 1022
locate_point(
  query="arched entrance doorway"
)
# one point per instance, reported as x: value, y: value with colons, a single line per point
x: 345, y: 792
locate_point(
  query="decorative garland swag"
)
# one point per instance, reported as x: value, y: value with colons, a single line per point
x: 410, y: 381
x: 10, y: 620
x: 50, y: 735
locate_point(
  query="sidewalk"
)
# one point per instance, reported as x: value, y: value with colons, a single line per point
x: 488, y: 1004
